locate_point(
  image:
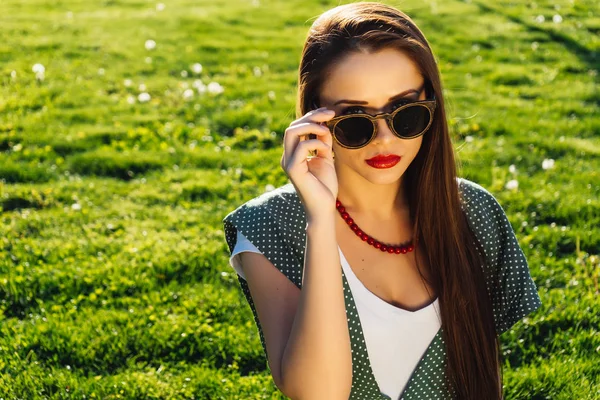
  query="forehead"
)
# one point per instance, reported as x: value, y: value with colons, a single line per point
x: 372, y: 77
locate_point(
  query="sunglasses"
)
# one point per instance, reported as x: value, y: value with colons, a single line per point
x: 408, y: 121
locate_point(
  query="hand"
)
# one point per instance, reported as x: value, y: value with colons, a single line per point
x: 314, y: 178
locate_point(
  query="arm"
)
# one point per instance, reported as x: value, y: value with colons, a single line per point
x: 306, y: 331
x: 317, y: 362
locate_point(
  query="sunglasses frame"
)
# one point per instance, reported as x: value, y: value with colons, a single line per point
x: 389, y: 117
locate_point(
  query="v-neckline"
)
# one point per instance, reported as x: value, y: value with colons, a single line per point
x: 388, y: 307
x: 370, y: 365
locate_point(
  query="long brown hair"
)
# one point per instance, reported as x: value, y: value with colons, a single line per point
x: 454, y: 257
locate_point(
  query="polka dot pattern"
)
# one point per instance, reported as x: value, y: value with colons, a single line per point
x: 275, y: 223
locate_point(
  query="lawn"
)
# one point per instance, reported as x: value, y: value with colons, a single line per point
x: 130, y: 128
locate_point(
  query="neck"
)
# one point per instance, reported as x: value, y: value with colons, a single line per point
x: 373, y: 201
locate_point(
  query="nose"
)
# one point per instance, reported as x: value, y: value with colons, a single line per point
x: 384, y: 133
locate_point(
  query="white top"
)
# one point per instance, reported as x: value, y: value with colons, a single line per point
x: 396, y: 338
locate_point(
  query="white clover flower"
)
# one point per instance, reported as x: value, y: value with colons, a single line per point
x: 127, y: 82
x: 184, y: 74
x: 188, y: 94
x: 215, y: 87
x: 142, y: 87
x: 101, y: 71
x: 534, y: 46
x: 512, y: 169
x: 513, y: 184
x: 548, y: 163
x: 271, y: 95
x: 468, y: 139
x: 13, y: 74
x: 76, y: 206
x: 131, y: 99
x: 160, y: 7
x: 150, y: 44
x: 197, y: 68
x: 257, y: 71
x: 143, y: 97
x: 557, y: 19
x: 540, y: 18
x: 38, y: 68
x: 269, y: 187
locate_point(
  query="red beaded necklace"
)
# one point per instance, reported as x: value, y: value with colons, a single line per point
x: 401, y: 249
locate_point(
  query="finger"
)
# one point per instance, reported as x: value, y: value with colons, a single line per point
x: 318, y: 115
x: 298, y: 133
x: 305, y: 147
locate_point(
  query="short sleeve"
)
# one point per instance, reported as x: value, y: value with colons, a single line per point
x: 509, y: 282
x: 263, y: 223
x: 242, y: 244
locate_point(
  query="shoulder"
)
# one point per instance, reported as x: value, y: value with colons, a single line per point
x: 472, y: 193
x: 270, y: 204
x: 274, y: 222
x: 480, y: 206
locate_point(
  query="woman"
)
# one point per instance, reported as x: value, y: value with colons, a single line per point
x: 431, y: 271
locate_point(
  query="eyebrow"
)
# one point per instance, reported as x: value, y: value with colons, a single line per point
x: 399, y: 95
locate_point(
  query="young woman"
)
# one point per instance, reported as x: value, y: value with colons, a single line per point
x: 377, y: 274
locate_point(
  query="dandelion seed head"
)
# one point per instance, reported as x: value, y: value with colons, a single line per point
x: 513, y: 184
x: 143, y: 97
x: 215, y: 87
x: 548, y: 163
x: 197, y: 68
x: 150, y: 44
x: 38, y: 68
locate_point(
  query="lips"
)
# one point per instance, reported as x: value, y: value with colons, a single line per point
x: 383, y: 161
x: 387, y: 158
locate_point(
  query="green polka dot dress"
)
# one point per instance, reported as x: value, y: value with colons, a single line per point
x: 275, y: 223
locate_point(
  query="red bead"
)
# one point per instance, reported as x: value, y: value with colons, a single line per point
x: 402, y: 249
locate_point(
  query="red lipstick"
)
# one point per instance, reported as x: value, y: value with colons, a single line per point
x: 383, y: 161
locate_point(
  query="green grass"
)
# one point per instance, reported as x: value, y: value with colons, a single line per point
x: 114, y: 275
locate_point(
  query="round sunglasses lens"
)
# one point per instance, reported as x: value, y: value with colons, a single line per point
x: 354, y: 131
x: 412, y: 121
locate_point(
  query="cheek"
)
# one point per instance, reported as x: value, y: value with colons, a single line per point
x: 415, y: 146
